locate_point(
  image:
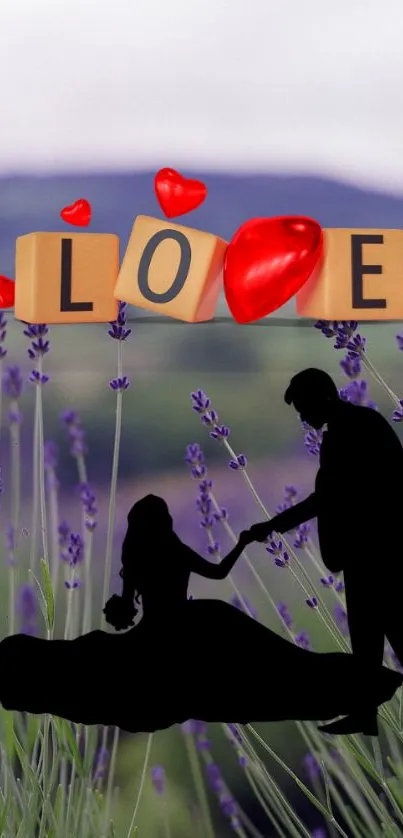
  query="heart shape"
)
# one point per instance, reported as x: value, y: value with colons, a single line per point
x: 176, y: 194
x: 7, y: 292
x: 267, y: 262
x: 78, y: 213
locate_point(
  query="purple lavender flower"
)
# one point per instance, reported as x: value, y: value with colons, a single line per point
x: 119, y: 384
x: 340, y: 616
x: 351, y: 366
x: 220, y: 432
x: 285, y: 615
x: 342, y: 330
x: 195, y: 458
x: 397, y: 415
x: 27, y: 607
x: 302, y: 640
x: 39, y: 343
x: 37, y: 377
x: 12, y: 382
x: 201, y: 404
x: 194, y: 727
x: 70, y: 584
x: 312, y: 602
x: 101, y: 763
x: 319, y: 832
x: 312, y: 439
x: 356, y: 393
x: 302, y: 536
x: 214, y: 549
x: 281, y: 557
x: 399, y: 339
x: 50, y: 454
x: 290, y: 494
x: 3, y: 334
x: 236, y: 742
x: 64, y: 532
x: 88, y: 501
x: 339, y: 586
x: 10, y: 539
x: 203, y: 504
x: 356, y: 346
x: 158, y: 779
x: 226, y: 800
x: 327, y: 581
x: 311, y: 767
x: 240, y: 462
x: 75, y: 549
x: 75, y: 431
x: 118, y: 329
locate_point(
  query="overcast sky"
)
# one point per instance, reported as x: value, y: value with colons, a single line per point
x: 314, y: 85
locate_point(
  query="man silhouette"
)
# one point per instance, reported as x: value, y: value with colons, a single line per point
x: 357, y: 503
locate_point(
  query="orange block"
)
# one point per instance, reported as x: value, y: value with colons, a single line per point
x: 172, y: 270
x: 361, y: 277
x: 66, y: 278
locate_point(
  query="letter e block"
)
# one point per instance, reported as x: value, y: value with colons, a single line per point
x: 172, y: 270
x: 66, y: 278
x: 360, y: 278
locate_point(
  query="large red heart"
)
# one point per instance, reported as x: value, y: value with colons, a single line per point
x: 78, y: 213
x: 267, y: 261
x: 7, y: 292
x: 177, y: 194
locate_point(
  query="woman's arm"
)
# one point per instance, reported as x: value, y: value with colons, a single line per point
x: 209, y: 570
x: 287, y: 520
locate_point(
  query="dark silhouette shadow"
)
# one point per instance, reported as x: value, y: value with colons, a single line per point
x: 201, y: 659
x: 357, y: 503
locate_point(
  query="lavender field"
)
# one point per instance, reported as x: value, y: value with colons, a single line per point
x: 95, y: 417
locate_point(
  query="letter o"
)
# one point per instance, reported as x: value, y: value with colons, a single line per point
x: 182, y: 272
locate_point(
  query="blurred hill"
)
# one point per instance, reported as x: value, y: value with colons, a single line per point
x: 30, y: 203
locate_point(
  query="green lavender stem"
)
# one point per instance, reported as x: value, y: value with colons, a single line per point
x: 141, y: 786
x: 41, y: 469
x: 111, y: 515
x: 15, y: 508
x: 199, y: 784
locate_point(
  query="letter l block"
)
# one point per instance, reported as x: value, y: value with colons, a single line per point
x: 172, y: 270
x: 66, y: 278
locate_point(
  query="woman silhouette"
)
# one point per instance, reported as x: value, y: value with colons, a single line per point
x: 156, y: 567
x: 202, y: 659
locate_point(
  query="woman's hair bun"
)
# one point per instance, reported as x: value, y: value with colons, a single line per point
x: 119, y: 612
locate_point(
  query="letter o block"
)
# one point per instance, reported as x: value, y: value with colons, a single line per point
x: 63, y: 278
x: 172, y: 270
x: 360, y: 278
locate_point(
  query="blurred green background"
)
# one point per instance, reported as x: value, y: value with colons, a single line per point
x: 245, y: 371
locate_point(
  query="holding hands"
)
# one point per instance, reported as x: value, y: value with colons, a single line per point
x: 258, y: 532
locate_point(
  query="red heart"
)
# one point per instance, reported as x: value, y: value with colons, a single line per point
x: 7, y: 292
x: 177, y: 194
x: 78, y: 213
x: 267, y: 261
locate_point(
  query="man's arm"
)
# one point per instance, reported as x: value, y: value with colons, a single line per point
x: 289, y: 519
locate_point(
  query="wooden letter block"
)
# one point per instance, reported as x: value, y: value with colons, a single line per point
x: 361, y: 277
x: 62, y: 278
x: 172, y: 270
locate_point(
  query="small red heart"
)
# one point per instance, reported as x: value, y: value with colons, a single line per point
x: 176, y: 194
x: 78, y: 213
x: 7, y: 292
x: 266, y: 263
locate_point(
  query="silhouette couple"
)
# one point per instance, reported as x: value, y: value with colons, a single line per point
x: 208, y: 660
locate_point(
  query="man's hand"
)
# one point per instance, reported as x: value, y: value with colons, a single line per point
x: 260, y: 532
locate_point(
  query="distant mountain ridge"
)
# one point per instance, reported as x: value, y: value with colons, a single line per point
x: 29, y: 203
